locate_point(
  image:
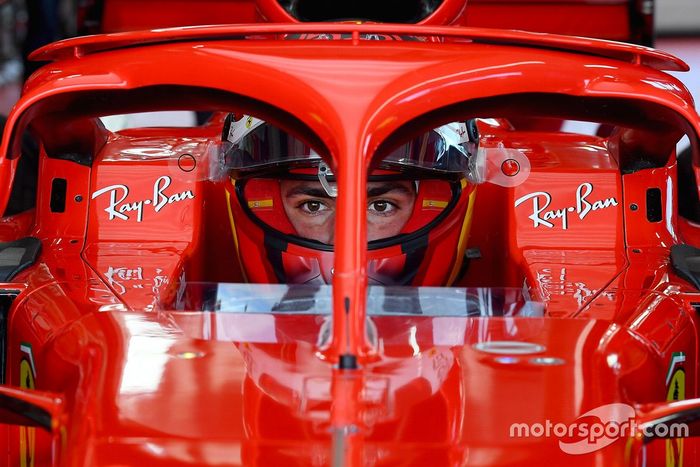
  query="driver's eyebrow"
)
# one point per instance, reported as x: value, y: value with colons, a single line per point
x: 304, y: 190
x: 386, y: 188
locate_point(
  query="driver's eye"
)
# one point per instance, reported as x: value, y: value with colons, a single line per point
x: 312, y: 206
x: 380, y: 206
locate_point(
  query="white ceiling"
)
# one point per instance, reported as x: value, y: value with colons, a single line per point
x: 677, y: 17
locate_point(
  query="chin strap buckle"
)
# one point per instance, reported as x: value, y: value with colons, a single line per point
x: 323, y: 173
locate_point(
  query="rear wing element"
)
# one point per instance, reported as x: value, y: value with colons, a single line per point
x: 628, y: 53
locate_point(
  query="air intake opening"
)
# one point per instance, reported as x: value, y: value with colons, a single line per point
x: 654, y: 208
x: 382, y: 11
x: 58, y: 194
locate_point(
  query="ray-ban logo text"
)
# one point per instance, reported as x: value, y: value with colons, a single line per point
x: 545, y: 217
x: 120, y: 208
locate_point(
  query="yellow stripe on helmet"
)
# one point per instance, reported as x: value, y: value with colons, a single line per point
x: 463, y: 236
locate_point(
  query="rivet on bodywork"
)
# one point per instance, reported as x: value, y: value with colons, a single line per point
x: 547, y: 361
x: 509, y: 347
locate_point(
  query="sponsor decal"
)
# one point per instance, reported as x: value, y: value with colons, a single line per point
x: 121, y: 208
x: 675, y: 383
x: 554, y: 282
x: 122, y: 278
x: 545, y: 217
x: 115, y: 277
x: 596, y: 429
x: 27, y: 378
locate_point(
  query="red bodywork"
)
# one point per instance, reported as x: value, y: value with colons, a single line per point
x: 127, y: 381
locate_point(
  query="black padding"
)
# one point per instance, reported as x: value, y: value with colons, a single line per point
x: 654, y: 207
x: 79, y: 157
x: 472, y: 130
x: 59, y: 187
x: 685, y: 260
x: 688, y: 201
x: 227, y: 127
x: 17, y: 256
x: 23, y: 194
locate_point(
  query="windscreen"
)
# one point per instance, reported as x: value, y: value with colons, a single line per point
x: 317, y: 299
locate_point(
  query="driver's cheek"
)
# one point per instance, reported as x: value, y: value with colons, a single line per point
x: 320, y: 228
x: 379, y: 227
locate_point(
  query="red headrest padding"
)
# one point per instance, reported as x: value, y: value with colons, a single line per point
x: 432, y: 198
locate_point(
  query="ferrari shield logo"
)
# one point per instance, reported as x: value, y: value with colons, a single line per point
x: 675, y: 392
x: 27, y: 435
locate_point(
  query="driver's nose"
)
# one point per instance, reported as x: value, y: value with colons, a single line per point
x: 324, y: 232
x: 329, y: 233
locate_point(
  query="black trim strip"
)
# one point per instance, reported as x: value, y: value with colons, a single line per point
x: 688, y: 417
x: 412, y: 264
x: 7, y: 297
x: 274, y: 248
x: 33, y: 413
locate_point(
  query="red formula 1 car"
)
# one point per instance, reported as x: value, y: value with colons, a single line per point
x: 408, y: 245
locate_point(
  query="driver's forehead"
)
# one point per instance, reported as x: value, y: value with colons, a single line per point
x: 312, y: 187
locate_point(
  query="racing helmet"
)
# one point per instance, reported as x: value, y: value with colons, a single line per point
x: 437, y: 171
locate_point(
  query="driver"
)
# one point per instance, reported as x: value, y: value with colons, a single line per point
x: 282, y: 200
x: 311, y: 210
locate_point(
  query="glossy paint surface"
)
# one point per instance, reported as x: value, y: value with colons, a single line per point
x: 143, y: 383
x: 628, y: 52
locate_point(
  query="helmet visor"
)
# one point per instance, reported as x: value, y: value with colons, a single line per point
x: 256, y: 145
x: 445, y: 149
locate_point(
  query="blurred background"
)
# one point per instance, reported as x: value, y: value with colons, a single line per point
x: 669, y: 25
